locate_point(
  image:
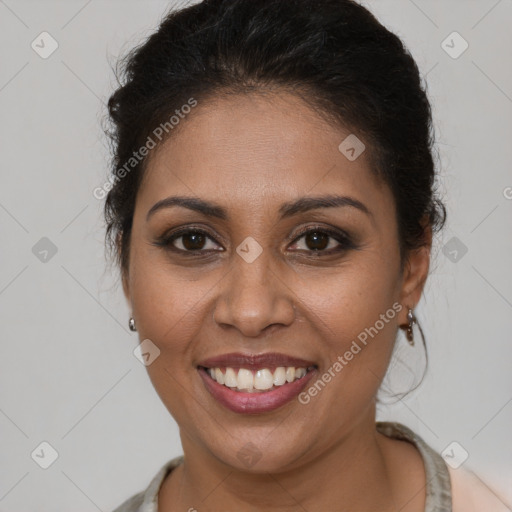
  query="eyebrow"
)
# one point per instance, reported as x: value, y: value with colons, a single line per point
x: 304, y: 204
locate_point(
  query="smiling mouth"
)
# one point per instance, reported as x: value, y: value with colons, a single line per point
x: 256, y: 381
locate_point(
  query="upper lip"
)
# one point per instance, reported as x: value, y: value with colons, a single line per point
x: 255, y: 361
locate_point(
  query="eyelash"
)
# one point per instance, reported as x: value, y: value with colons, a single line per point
x: 342, y: 238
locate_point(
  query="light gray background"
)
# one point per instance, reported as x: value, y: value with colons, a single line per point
x: 67, y: 372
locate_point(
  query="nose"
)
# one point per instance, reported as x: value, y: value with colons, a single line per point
x: 253, y: 298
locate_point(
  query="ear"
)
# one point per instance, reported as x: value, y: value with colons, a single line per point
x: 416, y: 272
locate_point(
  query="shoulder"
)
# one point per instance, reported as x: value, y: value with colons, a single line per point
x: 146, y: 500
x: 471, y: 494
x: 457, y: 490
x: 131, y: 504
x: 435, y: 479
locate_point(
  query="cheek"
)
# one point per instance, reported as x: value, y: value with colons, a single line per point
x: 172, y: 306
x: 164, y: 298
x: 170, y: 310
x: 340, y: 310
x: 345, y: 303
x: 355, y: 324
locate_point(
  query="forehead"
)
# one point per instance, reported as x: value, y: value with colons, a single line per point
x: 254, y: 150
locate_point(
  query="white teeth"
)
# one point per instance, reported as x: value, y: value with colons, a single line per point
x: 279, y: 376
x: 300, y: 372
x: 261, y: 380
x: 219, y: 376
x: 230, y: 379
x: 245, y: 379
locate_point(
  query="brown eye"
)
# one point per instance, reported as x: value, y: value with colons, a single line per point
x: 188, y: 241
x: 319, y: 240
x: 316, y: 240
x: 197, y: 242
x: 193, y: 240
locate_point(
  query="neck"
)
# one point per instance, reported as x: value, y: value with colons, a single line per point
x: 337, y: 479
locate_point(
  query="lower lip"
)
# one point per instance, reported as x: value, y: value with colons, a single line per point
x: 258, y: 402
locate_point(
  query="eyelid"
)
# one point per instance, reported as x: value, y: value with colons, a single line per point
x: 174, y: 234
x: 331, y: 231
x: 344, y: 240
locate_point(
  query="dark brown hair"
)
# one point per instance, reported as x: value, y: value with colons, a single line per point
x: 334, y: 54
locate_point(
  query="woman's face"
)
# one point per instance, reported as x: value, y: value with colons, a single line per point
x: 253, y: 283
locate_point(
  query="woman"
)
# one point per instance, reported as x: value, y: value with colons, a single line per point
x: 272, y: 213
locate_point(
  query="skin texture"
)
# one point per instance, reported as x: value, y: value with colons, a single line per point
x: 250, y: 154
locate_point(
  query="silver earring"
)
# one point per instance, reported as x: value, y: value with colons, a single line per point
x: 411, y: 320
x: 131, y: 325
